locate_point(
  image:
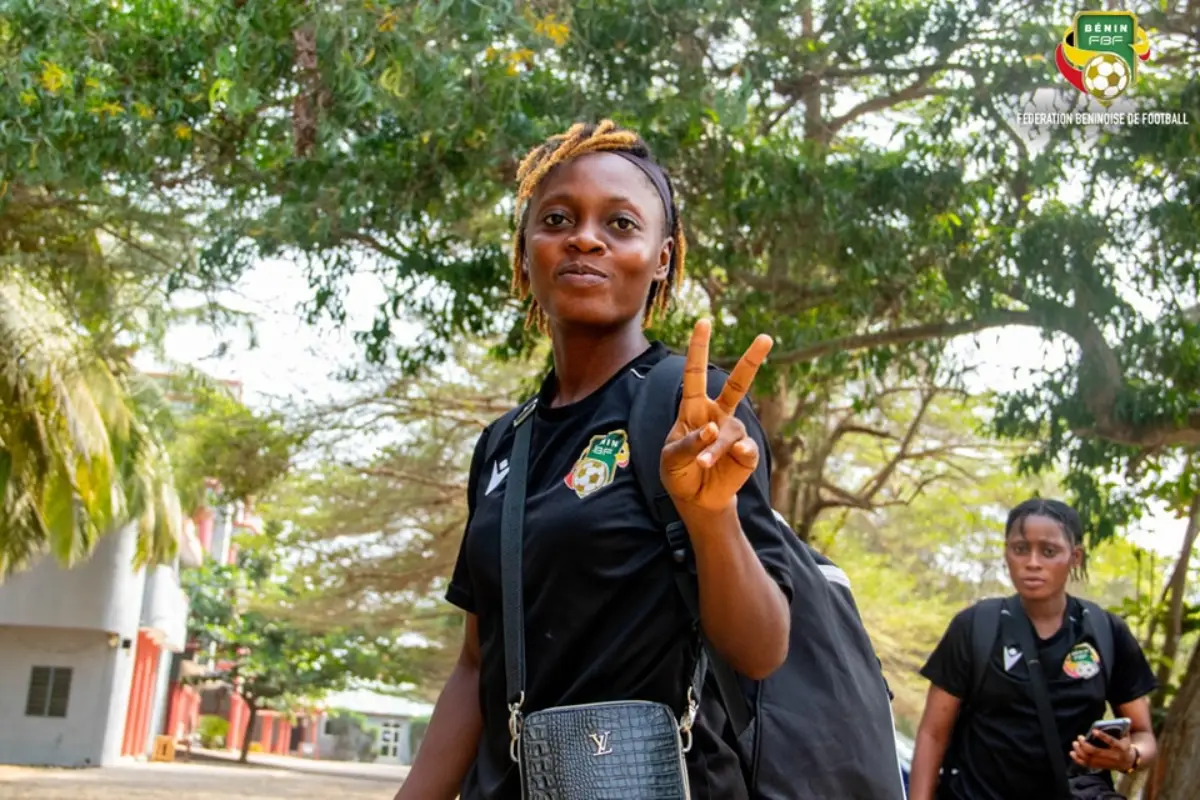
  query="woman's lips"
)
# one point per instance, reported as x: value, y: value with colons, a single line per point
x: 580, y: 275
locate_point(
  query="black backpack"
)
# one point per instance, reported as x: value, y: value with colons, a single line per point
x: 821, y: 726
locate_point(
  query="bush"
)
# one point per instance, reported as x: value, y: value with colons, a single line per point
x: 212, y: 731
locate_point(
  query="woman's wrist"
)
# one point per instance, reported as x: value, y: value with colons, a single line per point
x: 1135, y: 759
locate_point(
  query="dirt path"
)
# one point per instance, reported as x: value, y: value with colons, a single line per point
x: 185, y: 782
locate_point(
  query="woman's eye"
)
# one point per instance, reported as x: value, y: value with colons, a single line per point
x: 554, y: 219
x: 624, y: 224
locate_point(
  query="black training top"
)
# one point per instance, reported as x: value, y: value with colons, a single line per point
x: 604, y: 620
x: 1001, y: 754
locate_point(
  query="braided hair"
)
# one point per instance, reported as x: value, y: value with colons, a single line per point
x: 582, y: 139
x: 1060, y: 512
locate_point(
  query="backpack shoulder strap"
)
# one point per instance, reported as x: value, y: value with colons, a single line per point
x: 985, y: 627
x: 499, y: 427
x: 650, y: 420
x: 1098, y: 624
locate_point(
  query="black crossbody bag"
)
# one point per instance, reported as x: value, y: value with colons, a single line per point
x: 617, y: 750
x: 1068, y: 786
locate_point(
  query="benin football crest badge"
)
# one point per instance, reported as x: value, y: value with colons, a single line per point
x: 1083, y: 662
x: 597, y: 465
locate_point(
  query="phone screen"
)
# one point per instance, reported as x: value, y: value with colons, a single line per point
x: 1114, y: 728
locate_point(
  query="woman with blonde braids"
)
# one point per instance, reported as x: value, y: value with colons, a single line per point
x: 599, y: 245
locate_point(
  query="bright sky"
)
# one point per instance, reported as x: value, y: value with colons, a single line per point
x: 295, y: 360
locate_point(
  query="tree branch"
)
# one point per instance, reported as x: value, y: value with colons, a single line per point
x: 914, y: 91
x: 898, y: 336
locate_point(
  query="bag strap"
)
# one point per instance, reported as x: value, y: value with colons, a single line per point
x: 497, y: 432
x: 985, y: 627
x: 512, y: 532
x: 1098, y: 624
x: 512, y: 528
x: 650, y: 420
x: 1041, y: 695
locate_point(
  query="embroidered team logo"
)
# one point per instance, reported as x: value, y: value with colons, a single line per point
x: 597, y: 465
x: 1083, y: 662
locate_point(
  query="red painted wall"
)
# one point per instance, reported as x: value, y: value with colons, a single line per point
x: 204, y: 520
x: 239, y: 712
x: 183, y: 714
x: 141, y: 696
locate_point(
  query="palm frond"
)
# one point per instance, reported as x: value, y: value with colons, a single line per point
x: 77, y: 459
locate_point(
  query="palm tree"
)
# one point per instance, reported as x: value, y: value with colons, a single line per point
x: 77, y: 457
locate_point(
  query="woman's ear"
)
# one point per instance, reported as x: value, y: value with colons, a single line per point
x: 664, y: 260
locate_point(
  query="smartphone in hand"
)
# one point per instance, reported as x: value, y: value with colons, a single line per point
x: 1116, y: 728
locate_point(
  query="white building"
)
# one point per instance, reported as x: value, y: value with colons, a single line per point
x: 398, y: 723
x: 85, y: 655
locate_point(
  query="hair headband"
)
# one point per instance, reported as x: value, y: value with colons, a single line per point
x: 657, y: 177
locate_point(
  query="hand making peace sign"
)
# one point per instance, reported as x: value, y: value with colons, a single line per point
x: 708, y: 456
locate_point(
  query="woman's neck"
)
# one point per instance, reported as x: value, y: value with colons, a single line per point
x: 1046, y: 614
x: 584, y: 359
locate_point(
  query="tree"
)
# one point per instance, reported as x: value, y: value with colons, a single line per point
x: 375, y: 524
x: 78, y: 457
x: 270, y: 662
x: 221, y: 447
x: 340, y: 136
x: 1175, y: 777
x: 872, y: 443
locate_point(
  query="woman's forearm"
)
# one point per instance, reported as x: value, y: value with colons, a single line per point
x: 743, y: 611
x: 1147, y: 748
x: 450, y: 743
x: 926, y: 764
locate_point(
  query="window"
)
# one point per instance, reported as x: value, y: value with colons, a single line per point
x: 49, y: 688
x: 389, y: 739
x: 329, y: 727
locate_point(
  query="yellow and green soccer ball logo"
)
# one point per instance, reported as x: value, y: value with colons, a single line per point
x: 1106, y: 76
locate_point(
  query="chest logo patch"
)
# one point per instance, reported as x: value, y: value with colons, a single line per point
x: 598, y: 463
x: 1011, y: 656
x: 1083, y: 662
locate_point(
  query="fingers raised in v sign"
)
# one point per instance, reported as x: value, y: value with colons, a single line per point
x: 693, y: 406
x: 708, y: 454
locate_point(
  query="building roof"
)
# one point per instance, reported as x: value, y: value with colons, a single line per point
x: 365, y: 701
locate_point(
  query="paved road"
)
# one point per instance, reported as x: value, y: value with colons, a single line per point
x: 197, y: 781
x: 387, y: 773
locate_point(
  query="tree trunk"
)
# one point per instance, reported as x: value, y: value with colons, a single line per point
x: 1176, y: 774
x: 772, y: 416
x: 249, y: 732
x: 1177, y: 587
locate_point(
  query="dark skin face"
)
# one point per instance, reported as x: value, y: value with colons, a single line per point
x: 595, y: 242
x: 1040, y: 557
